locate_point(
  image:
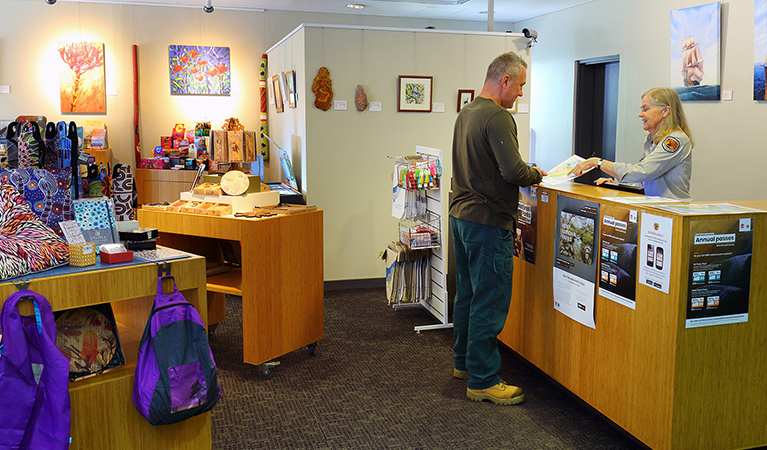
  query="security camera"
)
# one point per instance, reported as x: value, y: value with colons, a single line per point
x: 530, y: 34
x: 50, y: 2
x: 208, y: 8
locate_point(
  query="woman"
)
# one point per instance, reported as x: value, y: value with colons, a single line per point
x: 666, y: 164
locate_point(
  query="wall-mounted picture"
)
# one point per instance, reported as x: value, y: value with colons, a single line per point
x: 277, y: 93
x: 695, y: 50
x: 760, y: 49
x: 82, y: 85
x: 199, y: 70
x: 465, y: 96
x: 290, y: 78
x: 414, y: 93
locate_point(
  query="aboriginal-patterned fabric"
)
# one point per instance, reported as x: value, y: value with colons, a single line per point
x: 26, y: 244
x: 48, y: 193
x: 88, y: 338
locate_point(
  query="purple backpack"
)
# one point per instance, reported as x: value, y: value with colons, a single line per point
x: 176, y: 375
x: 34, y: 378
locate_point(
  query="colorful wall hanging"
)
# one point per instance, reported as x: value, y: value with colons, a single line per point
x: 323, y: 89
x: 199, y: 70
x: 82, y: 85
x: 264, y: 144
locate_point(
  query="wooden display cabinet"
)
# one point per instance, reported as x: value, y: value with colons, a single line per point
x: 279, y: 274
x: 103, y: 414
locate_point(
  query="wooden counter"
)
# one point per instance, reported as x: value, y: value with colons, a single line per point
x: 156, y: 186
x: 280, y: 276
x: 671, y: 387
x: 103, y: 414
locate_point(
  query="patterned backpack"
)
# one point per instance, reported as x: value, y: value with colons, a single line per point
x: 176, y: 375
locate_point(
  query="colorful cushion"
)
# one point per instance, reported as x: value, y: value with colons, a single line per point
x: 26, y: 244
x: 48, y: 193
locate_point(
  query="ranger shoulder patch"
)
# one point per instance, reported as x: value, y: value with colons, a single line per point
x: 670, y: 144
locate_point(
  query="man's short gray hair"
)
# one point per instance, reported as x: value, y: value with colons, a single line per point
x: 508, y: 62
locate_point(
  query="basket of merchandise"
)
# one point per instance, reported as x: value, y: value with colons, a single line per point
x: 420, y: 232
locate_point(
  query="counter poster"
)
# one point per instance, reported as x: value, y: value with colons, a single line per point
x: 527, y: 218
x: 618, y: 255
x: 720, y: 271
x: 574, y: 263
x: 655, y: 251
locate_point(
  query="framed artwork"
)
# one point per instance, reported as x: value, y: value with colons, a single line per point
x: 82, y: 86
x: 290, y: 77
x: 465, y: 96
x: 414, y: 93
x: 695, y: 52
x: 760, y: 49
x: 199, y: 70
x: 277, y: 93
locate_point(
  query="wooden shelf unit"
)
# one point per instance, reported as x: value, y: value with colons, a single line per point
x: 280, y: 278
x: 671, y: 387
x: 103, y: 414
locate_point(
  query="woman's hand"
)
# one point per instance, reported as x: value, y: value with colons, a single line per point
x: 601, y: 181
x: 584, y: 166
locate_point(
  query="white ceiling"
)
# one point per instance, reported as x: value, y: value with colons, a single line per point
x: 471, y: 10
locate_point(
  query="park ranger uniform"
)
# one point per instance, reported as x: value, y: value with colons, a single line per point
x: 664, y: 169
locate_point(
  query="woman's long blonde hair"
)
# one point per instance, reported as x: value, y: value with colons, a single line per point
x: 661, y: 97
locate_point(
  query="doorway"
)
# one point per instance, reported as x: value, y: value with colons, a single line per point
x: 596, y: 110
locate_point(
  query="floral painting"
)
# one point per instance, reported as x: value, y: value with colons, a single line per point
x: 82, y: 86
x: 199, y: 70
x: 760, y: 49
x: 695, y: 50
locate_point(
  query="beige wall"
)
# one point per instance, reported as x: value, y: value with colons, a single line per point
x: 345, y: 153
x: 729, y: 135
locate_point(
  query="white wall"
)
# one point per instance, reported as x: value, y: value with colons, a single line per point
x: 345, y: 152
x: 729, y: 135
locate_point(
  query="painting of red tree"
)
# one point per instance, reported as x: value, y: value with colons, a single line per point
x: 82, y: 85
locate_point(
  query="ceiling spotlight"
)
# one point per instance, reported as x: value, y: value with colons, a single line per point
x: 354, y: 6
x: 208, y: 8
x: 50, y: 2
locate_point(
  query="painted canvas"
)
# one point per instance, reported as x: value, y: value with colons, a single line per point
x: 695, y: 50
x: 82, y: 85
x: 760, y: 49
x: 199, y: 70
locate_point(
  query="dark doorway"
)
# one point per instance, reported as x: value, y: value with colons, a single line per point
x: 596, y: 110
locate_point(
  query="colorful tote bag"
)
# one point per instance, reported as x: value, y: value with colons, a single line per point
x: 176, y: 376
x: 96, y: 219
x: 123, y: 192
x: 47, y: 192
x: 26, y: 244
x: 34, y: 386
x: 12, y: 145
x: 31, y: 146
x: 51, y: 157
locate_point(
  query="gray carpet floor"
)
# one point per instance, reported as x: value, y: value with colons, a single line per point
x: 373, y: 383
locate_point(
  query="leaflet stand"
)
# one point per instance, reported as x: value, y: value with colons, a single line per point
x: 436, y: 207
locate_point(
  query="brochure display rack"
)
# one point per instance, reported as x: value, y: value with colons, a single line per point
x: 422, y: 227
x: 674, y: 359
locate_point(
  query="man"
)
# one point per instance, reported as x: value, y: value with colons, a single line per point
x: 487, y: 173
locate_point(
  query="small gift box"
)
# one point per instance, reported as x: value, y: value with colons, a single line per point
x: 81, y: 255
x: 115, y: 253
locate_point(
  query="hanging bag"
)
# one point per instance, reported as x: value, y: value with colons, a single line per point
x: 176, y: 375
x: 33, y: 378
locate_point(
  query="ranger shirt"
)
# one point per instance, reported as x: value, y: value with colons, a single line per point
x: 664, y: 169
x: 487, y: 167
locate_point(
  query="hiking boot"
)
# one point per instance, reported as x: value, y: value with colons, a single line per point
x: 500, y: 394
x: 461, y: 374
